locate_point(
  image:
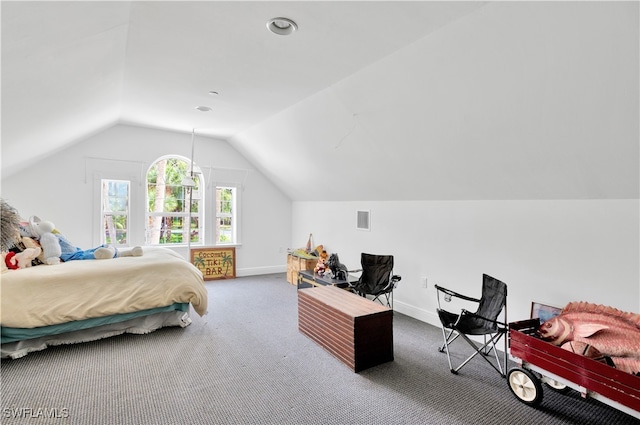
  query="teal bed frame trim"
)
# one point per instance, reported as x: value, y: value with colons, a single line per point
x: 20, y: 334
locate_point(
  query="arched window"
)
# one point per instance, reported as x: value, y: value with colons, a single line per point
x: 174, y: 210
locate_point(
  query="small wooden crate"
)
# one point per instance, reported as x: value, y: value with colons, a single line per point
x: 295, y: 264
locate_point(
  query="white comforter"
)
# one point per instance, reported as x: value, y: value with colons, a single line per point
x: 75, y: 290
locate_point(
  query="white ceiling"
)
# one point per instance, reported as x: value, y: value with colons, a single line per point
x: 380, y: 100
x: 70, y: 69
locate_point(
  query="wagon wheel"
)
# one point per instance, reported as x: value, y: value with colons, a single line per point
x: 557, y: 386
x: 525, y: 386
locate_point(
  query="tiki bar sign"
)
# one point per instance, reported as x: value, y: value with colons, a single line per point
x: 215, y: 263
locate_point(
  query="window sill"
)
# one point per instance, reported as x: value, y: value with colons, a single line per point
x: 227, y: 245
x: 193, y: 245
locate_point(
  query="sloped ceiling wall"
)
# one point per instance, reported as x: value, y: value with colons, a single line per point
x: 70, y: 69
x: 522, y: 100
x: 62, y: 72
x: 368, y: 101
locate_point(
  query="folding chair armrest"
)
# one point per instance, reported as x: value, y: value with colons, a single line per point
x: 455, y: 294
x: 392, y: 284
x: 349, y: 272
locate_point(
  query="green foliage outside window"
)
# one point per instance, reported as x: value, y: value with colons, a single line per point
x: 168, y: 203
x: 225, y: 199
x: 115, y: 211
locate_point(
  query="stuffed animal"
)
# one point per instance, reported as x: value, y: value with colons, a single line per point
x: 42, y: 231
x: 338, y: 270
x: 21, y: 260
x: 24, y: 242
x: 27, y: 242
x: 321, y: 265
x: 66, y: 251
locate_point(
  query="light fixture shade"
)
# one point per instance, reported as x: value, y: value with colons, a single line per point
x: 188, y: 182
x: 282, y: 26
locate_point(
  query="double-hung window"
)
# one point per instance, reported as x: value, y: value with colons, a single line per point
x: 226, y: 215
x: 174, y: 214
x: 114, y: 212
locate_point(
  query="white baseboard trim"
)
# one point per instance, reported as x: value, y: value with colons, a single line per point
x: 417, y: 313
x: 252, y: 271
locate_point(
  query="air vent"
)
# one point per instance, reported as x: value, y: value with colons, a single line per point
x: 363, y: 220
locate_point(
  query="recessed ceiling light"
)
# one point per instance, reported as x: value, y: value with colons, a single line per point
x: 282, y: 26
x: 203, y: 108
x: 213, y: 93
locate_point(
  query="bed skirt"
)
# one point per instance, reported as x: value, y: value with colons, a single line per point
x: 138, y: 325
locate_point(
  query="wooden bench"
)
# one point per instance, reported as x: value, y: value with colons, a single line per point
x: 357, y: 331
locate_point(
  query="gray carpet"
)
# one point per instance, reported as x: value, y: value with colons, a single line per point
x: 246, y: 363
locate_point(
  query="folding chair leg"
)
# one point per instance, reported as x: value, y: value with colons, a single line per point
x: 505, y: 353
x: 445, y: 346
x: 388, y: 298
x: 479, y: 350
x: 485, y: 350
x: 447, y: 338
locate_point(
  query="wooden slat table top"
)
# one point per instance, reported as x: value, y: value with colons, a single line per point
x: 346, y: 302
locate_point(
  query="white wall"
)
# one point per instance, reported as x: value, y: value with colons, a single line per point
x: 552, y: 251
x: 63, y: 188
x: 509, y: 139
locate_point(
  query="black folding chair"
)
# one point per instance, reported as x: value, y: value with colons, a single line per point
x: 377, y: 278
x: 483, y: 322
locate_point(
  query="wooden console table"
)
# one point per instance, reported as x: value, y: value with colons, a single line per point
x: 357, y: 331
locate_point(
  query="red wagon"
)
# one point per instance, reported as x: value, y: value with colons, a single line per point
x: 562, y: 369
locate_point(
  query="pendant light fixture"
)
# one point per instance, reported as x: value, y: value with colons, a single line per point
x: 188, y: 181
x: 189, y: 184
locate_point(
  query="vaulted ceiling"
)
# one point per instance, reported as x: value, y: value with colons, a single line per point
x: 367, y: 100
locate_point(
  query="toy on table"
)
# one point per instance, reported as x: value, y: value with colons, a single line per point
x: 338, y: 270
x: 321, y: 266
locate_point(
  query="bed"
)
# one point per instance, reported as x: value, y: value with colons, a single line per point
x: 80, y: 301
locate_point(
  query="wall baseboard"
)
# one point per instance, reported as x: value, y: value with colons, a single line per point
x: 417, y: 313
x: 253, y: 271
